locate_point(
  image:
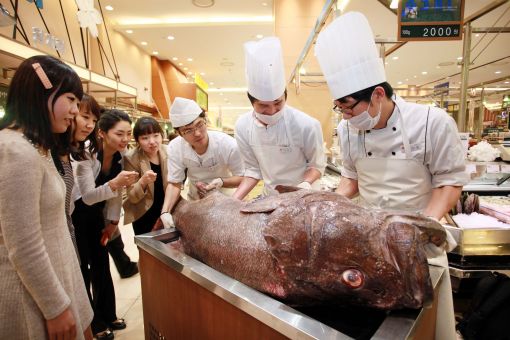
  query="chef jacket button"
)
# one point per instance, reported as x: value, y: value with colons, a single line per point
x: 394, y: 129
x: 369, y: 153
x: 393, y: 153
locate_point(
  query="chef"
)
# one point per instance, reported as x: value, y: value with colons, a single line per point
x: 210, y: 159
x: 279, y: 144
x: 396, y: 155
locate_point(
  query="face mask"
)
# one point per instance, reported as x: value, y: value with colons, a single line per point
x: 267, y: 119
x: 364, y: 121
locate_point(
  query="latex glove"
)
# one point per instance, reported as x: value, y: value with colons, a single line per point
x: 214, y: 184
x: 305, y: 185
x: 168, y: 221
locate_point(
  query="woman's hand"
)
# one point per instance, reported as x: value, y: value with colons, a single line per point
x: 148, y: 177
x: 63, y: 327
x: 108, y: 232
x: 123, y: 179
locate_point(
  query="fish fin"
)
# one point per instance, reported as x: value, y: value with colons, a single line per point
x: 286, y: 188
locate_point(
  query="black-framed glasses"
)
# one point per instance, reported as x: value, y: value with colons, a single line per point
x: 338, y: 109
x: 190, y: 131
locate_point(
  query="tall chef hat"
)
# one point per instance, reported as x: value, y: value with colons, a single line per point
x: 184, y: 111
x: 264, y: 68
x: 348, y: 56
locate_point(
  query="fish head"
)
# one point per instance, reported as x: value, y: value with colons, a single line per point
x: 326, y: 248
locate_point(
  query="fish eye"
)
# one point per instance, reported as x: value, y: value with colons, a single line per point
x: 353, y: 278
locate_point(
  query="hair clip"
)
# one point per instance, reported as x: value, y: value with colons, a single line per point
x: 42, y: 76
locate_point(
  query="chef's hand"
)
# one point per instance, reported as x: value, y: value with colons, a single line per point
x: 201, y: 189
x: 62, y: 327
x: 305, y: 185
x: 123, y: 179
x: 148, y: 177
x: 167, y: 220
x: 214, y: 184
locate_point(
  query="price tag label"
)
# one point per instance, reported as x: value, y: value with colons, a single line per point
x: 505, y: 168
x: 493, y: 169
x: 470, y: 168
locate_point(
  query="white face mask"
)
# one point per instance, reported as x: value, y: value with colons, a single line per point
x: 267, y: 119
x: 364, y: 121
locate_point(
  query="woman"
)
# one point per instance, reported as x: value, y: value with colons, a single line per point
x: 210, y: 159
x: 82, y: 129
x: 100, y: 180
x: 145, y: 198
x: 42, y: 295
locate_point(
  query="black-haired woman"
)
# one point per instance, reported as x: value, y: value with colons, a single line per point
x: 100, y: 180
x: 145, y: 198
x: 42, y: 295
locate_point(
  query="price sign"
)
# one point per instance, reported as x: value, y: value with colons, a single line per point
x: 430, y: 19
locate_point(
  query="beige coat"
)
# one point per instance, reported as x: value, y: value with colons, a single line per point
x: 138, y: 201
x: 39, y: 272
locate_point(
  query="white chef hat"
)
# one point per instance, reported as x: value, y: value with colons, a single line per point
x: 264, y: 69
x: 348, y: 56
x: 184, y: 111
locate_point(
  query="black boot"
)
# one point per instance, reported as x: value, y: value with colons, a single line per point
x: 125, y: 266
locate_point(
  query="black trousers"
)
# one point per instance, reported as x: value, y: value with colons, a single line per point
x: 95, y: 265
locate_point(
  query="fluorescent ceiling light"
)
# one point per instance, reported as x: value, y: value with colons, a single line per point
x: 108, y: 8
x: 170, y: 37
x: 211, y: 20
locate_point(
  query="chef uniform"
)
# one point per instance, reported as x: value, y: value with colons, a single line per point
x: 396, y: 166
x: 221, y: 159
x: 282, y: 151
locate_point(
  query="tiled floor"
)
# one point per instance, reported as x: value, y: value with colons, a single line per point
x: 128, y: 293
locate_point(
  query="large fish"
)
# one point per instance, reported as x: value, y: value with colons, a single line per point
x: 311, y: 247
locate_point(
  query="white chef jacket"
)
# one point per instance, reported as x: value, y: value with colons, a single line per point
x: 306, y: 133
x: 435, y: 143
x: 222, y: 150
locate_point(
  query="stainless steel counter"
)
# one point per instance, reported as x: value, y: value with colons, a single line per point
x: 280, y: 317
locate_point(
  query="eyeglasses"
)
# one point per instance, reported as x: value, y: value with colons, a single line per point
x: 190, y: 131
x: 338, y: 109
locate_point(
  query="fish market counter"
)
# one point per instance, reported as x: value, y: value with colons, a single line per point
x: 186, y: 299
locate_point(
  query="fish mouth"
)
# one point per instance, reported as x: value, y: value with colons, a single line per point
x: 409, y: 259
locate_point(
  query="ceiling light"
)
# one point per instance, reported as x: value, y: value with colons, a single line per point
x: 189, y: 59
x: 394, y: 4
x: 497, y: 72
x: 477, y: 35
x: 264, y: 4
x: 395, y: 58
x: 175, y: 58
x: 259, y: 36
x: 155, y: 52
x: 180, y: 64
x: 203, y: 3
x: 202, y: 73
x: 459, y: 58
x: 190, y: 73
x: 144, y: 43
x: 129, y: 31
x: 302, y: 70
x: 385, y: 63
x: 185, y: 69
x: 170, y: 37
x: 424, y: 72
x: 507, y: 82
x: 211, y: 83
x: 415, y: 77
x: 108, y: 8
x: 400, y: 83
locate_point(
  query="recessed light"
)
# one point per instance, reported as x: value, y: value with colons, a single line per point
x: 211, y: 83
x: 129, y: 31
x: 477, y: 35
x: 202, y: 73
x: 170, y: 37
x: 497, y: 72
x: 185, y: 69
x: 400, y: 83
x: 264, y: 4
x: 424, y: 72
x: 144, y: 43
x: 155, y: 52
x: 108, y: 8
x: 190, y: 72
x: 175, y: 58
x: 259, y: 36
x: 507, y: 82
x: 189, y: 59
x: 459, y: 58
x: 415, y: 77
x: 180, y: 64
x: 394, y: 58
